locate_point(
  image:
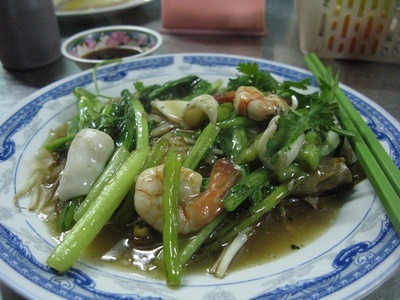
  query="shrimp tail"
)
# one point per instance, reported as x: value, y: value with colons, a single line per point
x: 208, y: 205
x: 223, y: 176
x: 195, y: 209
x: 225, y: 97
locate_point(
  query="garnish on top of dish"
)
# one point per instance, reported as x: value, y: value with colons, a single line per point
x: 190, y: 170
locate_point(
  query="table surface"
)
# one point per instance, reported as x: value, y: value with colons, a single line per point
x: 377, y: 81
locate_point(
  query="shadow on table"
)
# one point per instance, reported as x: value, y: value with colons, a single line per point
x: 46, y: 75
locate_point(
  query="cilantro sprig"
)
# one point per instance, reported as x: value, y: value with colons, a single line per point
x: 316, y: 110
x: 251, y: 75
x: 317, y: 115
x: 319, y: 118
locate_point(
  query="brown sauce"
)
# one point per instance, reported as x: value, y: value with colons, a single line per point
x: 111, y: 53
x: 276, y: 236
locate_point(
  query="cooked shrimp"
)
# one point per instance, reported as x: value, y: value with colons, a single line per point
x: 195, y: 209
x: 249, y: 101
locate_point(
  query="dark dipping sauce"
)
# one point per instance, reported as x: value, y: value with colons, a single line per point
x: 276, y: 236
x: 111, y: 53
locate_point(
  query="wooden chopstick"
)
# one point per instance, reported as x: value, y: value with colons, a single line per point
x: 378, y: 165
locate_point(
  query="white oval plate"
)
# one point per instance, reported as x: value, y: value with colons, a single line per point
x: 350, y: 259
x: 96, y: 8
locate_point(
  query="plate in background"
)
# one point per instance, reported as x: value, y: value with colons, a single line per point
x: 72, y: 8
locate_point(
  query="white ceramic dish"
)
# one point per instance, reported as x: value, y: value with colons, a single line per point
x: 93, y: 7
x: 350, y: 259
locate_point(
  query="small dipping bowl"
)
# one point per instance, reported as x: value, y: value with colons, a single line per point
x: 90, y: 47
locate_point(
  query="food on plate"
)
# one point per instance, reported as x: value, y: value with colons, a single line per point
x: 170, y: 174
x: 73, y: 5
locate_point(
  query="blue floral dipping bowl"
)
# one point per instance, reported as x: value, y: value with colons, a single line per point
x: 94, y: 46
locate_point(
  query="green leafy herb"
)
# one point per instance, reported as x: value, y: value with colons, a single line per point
x: 317, y: 116
x: 185, y: 88
x: 252, y: 76
x: 287, y: 89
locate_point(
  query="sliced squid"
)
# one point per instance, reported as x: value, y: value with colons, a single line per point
x: 87, y: 156
x: 171, y: 109
x: 188, y: 114
x: 284, y: 159
x: 198, y: 108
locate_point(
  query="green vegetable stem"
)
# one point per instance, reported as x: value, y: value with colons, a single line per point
x: 202, y: 146
x: 66, y: 218
x: 157, y: 153
x: 172, y: 171
x: 251, y: 216
x: 200, y: 238
x: 66, y: 253
x: 118, y: 158
x: 245, y: 187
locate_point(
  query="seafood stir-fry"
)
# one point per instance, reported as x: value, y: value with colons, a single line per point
x: 197, y: 164
x: 195, y: 208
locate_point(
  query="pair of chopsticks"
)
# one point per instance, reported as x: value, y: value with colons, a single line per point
x: 378, y: 165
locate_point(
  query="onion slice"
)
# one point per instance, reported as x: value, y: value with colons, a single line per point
x: 228, y: 254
